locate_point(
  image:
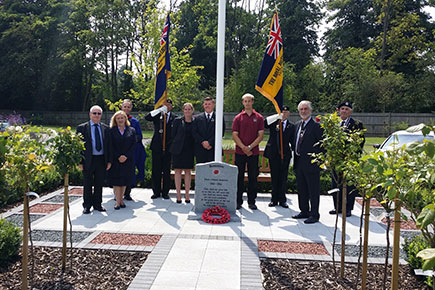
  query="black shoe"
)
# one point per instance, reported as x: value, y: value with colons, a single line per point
x: 239, y: 206
x: 122, y: 205
x: 86, y: 211
x: 334, y: 211
x: 301, y: 216
x: 252, y: 206
x: 117, y: 207
x: 154, y: 196
x: 100, y: 208
x: 272, y: 204
x: 187, y: 200
x: 165, y: 196
x: 311, y: 220
x: 283, y: 204
x: 127, y: 197
x: 178, y: 201
x: 348, y: 213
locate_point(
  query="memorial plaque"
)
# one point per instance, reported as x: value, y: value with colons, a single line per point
x: 215, y: 184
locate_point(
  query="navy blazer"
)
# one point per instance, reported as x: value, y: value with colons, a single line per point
x: 273, y: 147
x: 85, y: 130
x: 205, y: 131
x: 178, y: 135
x: 157, y: 141
x: 309, y: 144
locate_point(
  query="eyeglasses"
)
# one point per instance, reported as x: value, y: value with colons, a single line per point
x: 96, y: 113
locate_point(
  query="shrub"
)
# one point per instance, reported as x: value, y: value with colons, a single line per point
x: 10, y: 241
x: 411, y: 247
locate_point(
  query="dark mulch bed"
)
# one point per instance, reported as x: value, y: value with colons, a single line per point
x: 287, y: 274
x: 92, y: 269
x: 292, y: 247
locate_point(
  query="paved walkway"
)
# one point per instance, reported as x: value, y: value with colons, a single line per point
x: 194, y: 255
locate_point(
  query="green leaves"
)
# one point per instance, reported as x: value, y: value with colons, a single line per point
x: 426, y: 217
x: 428, y: 255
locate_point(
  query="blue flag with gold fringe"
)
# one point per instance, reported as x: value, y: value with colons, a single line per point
x: 163, y: 67
x: 269, y: 82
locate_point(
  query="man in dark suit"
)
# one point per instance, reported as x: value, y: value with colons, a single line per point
x: 95, y: 159
x: 204, y: 132
x: 279, y: 167
x: 349, y: 125
x: 307, y: 134
x: 161, y: 157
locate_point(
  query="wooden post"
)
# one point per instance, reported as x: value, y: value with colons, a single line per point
x: 280, y: 139
x: 396, y: 244
x: 365, y: 243
x: 65, y: 218
x: 25, y: 250
x: 343, y: 226
x: 164, y: 132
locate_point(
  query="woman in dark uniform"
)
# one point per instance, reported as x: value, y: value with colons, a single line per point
x: 121, y: 155
x: 182, y: 150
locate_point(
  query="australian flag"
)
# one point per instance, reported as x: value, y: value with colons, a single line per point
x: 269, y: 82
x: 163, y: 67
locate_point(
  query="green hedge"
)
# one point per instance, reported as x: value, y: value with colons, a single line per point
x: 10, y: 241
x: 411, y: 247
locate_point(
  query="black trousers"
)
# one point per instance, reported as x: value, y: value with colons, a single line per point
x: 94, y: 177
x: 252, y: 162
x: 161, y: 169
x: 308, y: 184
x: 279, y: 173
x: 350, y: 198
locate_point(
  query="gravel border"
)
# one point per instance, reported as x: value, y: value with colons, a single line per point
x: 373, y: 251
x: 17, y: 219
x: 59, y: 198
x: 56, y: 236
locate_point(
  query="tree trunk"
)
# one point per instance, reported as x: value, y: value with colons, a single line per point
x: 396, y: 246
x: 65, y: 219
x: 25, y: 249
x: 366, y: 242
x: 343, y: 226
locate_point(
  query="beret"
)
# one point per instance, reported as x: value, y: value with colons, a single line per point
x: 347, y: 104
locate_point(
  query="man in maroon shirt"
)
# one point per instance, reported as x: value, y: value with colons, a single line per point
x: 248, y: 131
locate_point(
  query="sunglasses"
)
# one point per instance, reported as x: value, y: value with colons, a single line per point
x: 96, y: 113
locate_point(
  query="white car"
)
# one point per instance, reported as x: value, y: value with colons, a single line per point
x: 400, y: 138
x: 3, y: 125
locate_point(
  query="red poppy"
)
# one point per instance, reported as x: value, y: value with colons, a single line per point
x: 208, y: 215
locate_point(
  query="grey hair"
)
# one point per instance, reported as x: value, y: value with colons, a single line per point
x: 305, y: 102
x: 95, y: 107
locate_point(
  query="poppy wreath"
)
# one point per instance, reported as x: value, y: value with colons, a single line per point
x: 208, y: 215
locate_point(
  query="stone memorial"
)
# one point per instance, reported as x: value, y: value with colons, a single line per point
x: 215, y: 184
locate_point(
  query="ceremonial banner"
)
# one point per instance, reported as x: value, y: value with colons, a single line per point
x: 163, y: 67
x: 269, y: 82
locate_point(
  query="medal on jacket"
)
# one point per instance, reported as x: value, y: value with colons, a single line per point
x: 161, y: 131
x: 277, y: 128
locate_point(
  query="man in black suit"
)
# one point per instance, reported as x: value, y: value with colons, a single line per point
x: 204, y: 132
x: 307, y: 134
x: 95, y: 159
x: 161, y: 157
x: 349, y: 125
x: 279, y: 167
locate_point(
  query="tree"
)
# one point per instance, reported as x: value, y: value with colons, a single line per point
x: 354, y: 25
x: 299, y: 22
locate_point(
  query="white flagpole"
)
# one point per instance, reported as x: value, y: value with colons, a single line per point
x: 220, y: 81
